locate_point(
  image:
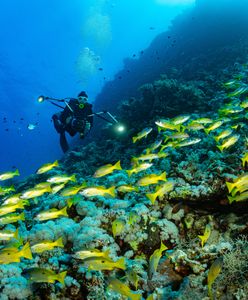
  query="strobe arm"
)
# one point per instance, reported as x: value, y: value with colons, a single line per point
x: 99, y: 115
x: 51, y: 100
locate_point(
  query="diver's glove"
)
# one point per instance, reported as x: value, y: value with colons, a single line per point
x: 87, y: 127
x: 59, y: 126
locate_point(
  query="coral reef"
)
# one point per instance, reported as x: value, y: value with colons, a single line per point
x: 161, y: 247
x: 154, y: 227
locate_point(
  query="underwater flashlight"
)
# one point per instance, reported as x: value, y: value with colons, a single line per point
x: 41, y: 99
x: 120, y: 128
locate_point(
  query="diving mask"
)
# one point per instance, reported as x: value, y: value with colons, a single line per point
x: 82, y: 101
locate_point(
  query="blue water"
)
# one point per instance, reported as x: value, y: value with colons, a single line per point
x: 41, y: 42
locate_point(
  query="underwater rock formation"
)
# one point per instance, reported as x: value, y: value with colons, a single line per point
x: 200, y: 43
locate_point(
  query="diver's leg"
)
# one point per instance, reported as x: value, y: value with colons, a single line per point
x: 63, y: 142
x: 57, y: 123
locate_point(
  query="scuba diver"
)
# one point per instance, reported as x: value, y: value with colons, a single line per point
x: 77, y: 117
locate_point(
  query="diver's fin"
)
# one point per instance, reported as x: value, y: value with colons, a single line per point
x: 63, y: 142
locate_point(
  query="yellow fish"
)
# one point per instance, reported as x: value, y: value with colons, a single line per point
x: 242, y: 187
x: 154, y: 260
x: 223, y: 134
x: 154, y: 146
x: 98, y: 191
x: 42, y: 185
x: 177, y: 136
x: 213, y: 273
x: 12, y: 218
x: 127, y: 188
x: 214, y: 126
x: 6, y: 235
x: 72, y: 190
x: 160, y: 191
x: 166, y: 124
x: 15, y: 242
x: 239, y: 91
x: 123, y: 289
x: 35, y: 192
x: 118, y: 226
x: 180, y: 119
x: 188, y: 142
x: 194, y: 126
x: 47, y: 167
x: 206, y: 235
x: 203, y: 121
x: 9, y: 175
x: 239, y: 198
x: 244, y: 159
x: 229, y: 142
x: 139, y: 168
x: 172, y: 144
x: 239, y: 181
x: 85, y: 254
x: 238, y: 126
x: 244, y: 104
x: 226, y: 119
x: 52, y: 213
x: 107, y: 169
x: 142, y: 134
x: 230, y: 83
x: 151, y: 179
x: 10, y: 255
x: 62, y: 179
x: 6, y: 190
x: 57, y: 188
x: 47, y: 245
x: 100, y: 264
x: 230, y: 109
x: 151, y: 156
x: 9, y: 208
x: 14, y: 199
x: 44, y: 275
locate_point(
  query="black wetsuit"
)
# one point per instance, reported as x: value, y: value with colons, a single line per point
x: 73, y: 119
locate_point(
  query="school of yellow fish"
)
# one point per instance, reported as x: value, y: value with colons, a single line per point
x: 172, y: 133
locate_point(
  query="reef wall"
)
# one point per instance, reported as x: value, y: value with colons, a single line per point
x: 200, y: 44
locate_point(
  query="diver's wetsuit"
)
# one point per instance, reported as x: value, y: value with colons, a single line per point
x: 73, y: 119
